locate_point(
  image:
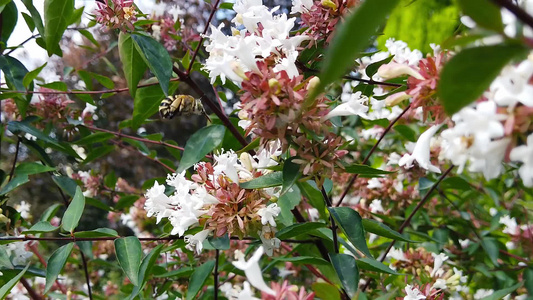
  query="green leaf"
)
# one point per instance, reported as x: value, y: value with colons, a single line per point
x: 15, y: 182
x: 314, y: 196
x: 6, y: 288
x: 129, y: 255
x: 198, y: 278
x: 325, y: 290
x: 469, y: 73
x: 484, y: 12
x: 86, y: 247
x: 145, y: 269
x: 287, y: 202
x: 352, y: 37
x: 5, y: 261
x: 351, y: 224
x: 24, y: 126
x: 132, y: 62
x: 504, y: 292
x: 56, y: 263
x: 369, y: 264
x: 9, y: 20
x: 528, y: 279
x: 373, y: 67
x: 87, y: 34
x: 3, y: 4
x: 93, y: 138
x: 14, y: 72
x: 103, y: 80
x: 75, y: 17
x: 490, y: 245
x: 56, y: 16
x: 265, y: 181
x: 29, y: 21
x: 303, y: 260
x: 40, y: 227
x: 291, y: 173
x: 126, y: 201
x: 37, y: 20
x: 220, y: 243
x: 365, y: 171
x: 30, y: 168
x: 72, y: 215
x: 98, y: 152
x: 99, y: 232
x: 298, y: 229
x: 56, y: 85
x: 66, y: 183
x: 156, y: 57
x: 200, y: 144
x: 406, y: 132
x: 346, y: 268
x: 50, y: 212
x: 383, y: 230
x: 30, y: 76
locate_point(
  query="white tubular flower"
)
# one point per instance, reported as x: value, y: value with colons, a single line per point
x: 440, y: 284
x: 437, y: 264
x: 252, y: 270
x: 396, y: 98
x: 397, y: 254
x: 195, y: 242
x: 89, y: 109
x: 421, y: 152
x: 374, y: 183
x: 376, y: 206
x: 301, y: 6
x: 157, y: 203
x: 393, y: 70
x: 356, y: 105
x: 413, y: 293
x: 180, y: 183
x: 524, y: 154
x: 268, y: 214
x: 511, y: 227
x: 226, y: 163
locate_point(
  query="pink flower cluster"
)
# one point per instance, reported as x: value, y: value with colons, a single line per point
x: 116, y: 14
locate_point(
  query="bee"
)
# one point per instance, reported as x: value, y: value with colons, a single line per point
x: 180, y: 105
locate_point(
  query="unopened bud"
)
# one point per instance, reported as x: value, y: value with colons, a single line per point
x: 329, y: 4
x: 393, y: 70
x: 246, y: 161
x: 396, y: 98
x: 274, y: 83
x: 313, y: 83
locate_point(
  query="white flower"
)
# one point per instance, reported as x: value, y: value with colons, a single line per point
x: 376, y: 206
x: 195, y: 242
x: 482, y: 293
x: 524, y: 154
x: 413, y: 293
x: 185, y: 214
x: 301, y: 6
x: 268, y: 214
x: 19, y: 252
x: 421, y: 152
x: 394, y: 158
x: 180, y: 183
x: 397, y: 254
x: 393, y: 70
x: 226, y: 163
x: 252, y: 270
x: 437, y: 264
x: 157, y: 203
x: 356, y: 105
x: 374, y: 183
x: 24, y: 209
x: 511, y: 227
x: 440, y: 284
x: 89, y: 109
x: 270, y: 242
x: 464, y: 243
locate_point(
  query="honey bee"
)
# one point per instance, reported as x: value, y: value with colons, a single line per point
x: 180, y: 105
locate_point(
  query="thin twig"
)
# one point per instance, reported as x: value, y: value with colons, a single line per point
x: 410, y: 217
x: 202, y: 36
x: 30, y: 290
x: 333, y: 226
x: 142, y: 239
x: 215, y: 285
x: 354, y: 177
x: 131, y: 148
x: 85, y: 268
x: 24, y: 42
x: 519, y: 13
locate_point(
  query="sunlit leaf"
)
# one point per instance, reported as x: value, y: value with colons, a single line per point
x: 156, y: 57
x: 198, y: 278
x: 346, y: 268
x: 129, y: 254
x: 56, y: 17
x: 200, y: 144
x: 72, y: 215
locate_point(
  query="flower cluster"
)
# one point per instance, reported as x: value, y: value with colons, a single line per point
x: 215, y: 200
x: 116, y: 14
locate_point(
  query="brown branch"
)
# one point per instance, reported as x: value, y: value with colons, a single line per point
x: 354, y: 177
x: 202, y: 37
x: 519, y: 13
x: 86, y: 271
x: 30, y: 290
